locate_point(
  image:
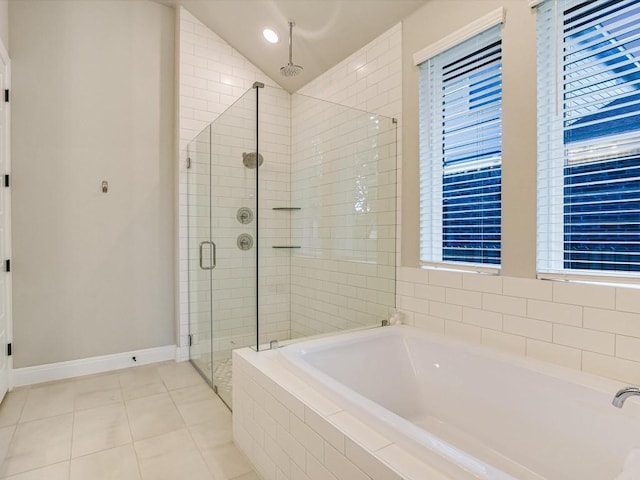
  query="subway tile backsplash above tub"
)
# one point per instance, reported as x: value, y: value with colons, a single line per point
x: 594, y: 328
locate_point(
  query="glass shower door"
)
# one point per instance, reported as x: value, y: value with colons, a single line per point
x: 199, y: 236
x: 223, y: 243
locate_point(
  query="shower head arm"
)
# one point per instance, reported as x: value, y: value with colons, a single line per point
x: 291, y: 70
x: 291, y: 43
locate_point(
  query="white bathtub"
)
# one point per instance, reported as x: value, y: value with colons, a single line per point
x: 469, y: 412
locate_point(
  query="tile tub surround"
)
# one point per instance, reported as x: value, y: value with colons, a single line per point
x: 594, y: 328
x: 147, y: 422
x: 290, y: 431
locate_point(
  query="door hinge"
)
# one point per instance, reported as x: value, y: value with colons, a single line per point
x: 9, y: 350
x: 6, y: 95
x: 188, y: 162
x: 7, y: 265
x: 7, y: 180
x: 190, y: 340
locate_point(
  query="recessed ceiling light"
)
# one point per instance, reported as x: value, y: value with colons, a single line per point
x: 270, y: 35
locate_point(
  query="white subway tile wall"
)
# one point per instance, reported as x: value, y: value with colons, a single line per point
x: 275, y: 225
x: 548, y: 320
x: 343, y: 180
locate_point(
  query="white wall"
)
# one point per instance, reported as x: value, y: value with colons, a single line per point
x: 92, y: 100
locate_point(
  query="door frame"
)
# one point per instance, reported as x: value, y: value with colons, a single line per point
x: 6, y: 152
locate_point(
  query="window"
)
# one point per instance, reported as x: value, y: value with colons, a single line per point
x: 461, y: 152
x: 589, y: 137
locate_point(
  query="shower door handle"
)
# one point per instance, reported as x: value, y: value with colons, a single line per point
x: 213, y: 255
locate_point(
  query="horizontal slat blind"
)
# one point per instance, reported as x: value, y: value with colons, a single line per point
x: 589, y: 136
x: 461, y: 152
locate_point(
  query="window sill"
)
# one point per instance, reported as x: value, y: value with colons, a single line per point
x: 601, y: 280
x: 460, y: 268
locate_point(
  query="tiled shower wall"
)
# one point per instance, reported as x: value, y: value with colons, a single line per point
x: 212, y: 76
x: 343, y: 275
x: 275, y: 225
x: 343, y: 180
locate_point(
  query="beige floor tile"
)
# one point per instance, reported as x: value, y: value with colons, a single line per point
x: 100, y: 398
x: 226, y: 461
x: 48, y: 401
x: 204, y: 411
x: 198, y: 404
x: 173, y: 456
x: 131, y: 392
x: 96, y: 383
x: 99, y: 429
x: 6, y: 434
x: 151, y: 404
x: 194, y: 393
x: 212, y: 434
x: 58, y: 471
x: 39, y: 443
x: 154, y: 415
x: 11, y: 406
x: 179, y: 375
x: 114, y: 464
x: 136, y: 376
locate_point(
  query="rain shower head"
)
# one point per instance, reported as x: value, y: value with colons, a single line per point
x: 291, y: 70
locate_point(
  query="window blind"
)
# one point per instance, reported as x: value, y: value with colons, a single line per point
x: 589, y: 136
x: 461, y: 152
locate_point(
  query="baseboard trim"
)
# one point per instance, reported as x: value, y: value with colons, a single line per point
x: 88, y: 366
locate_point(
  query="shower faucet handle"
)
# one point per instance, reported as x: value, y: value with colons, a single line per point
x: 244, y: 215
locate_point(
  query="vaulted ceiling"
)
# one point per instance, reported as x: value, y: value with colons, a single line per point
x: 326, y: 31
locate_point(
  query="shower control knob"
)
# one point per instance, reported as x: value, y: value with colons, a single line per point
x: 245, y: 241
x: 244, y: 215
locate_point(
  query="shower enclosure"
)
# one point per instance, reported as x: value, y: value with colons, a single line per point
x: 291, y: 225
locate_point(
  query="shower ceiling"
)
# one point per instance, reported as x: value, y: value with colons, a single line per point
x: 326, y: 31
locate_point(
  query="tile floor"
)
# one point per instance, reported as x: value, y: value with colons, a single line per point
x: 155, y: 422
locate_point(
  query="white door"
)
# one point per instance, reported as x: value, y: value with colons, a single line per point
x: 5, y: 225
